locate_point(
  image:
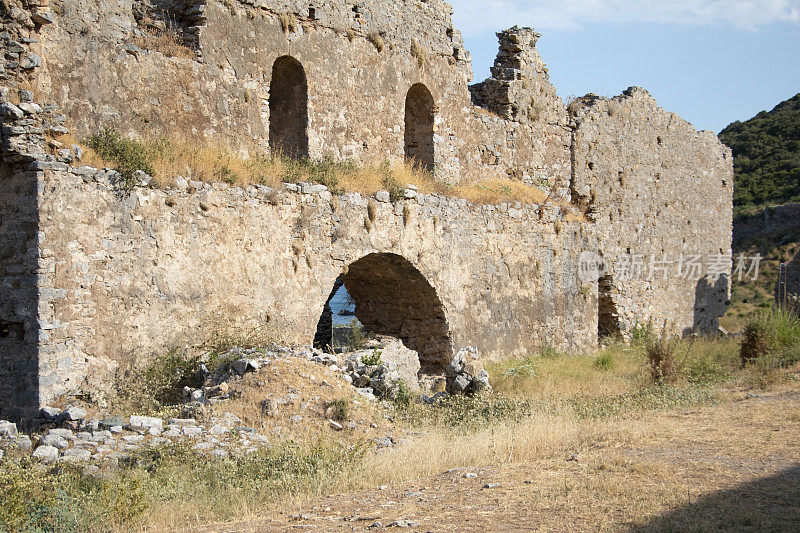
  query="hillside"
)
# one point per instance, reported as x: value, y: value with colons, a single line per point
x: 766, y: 152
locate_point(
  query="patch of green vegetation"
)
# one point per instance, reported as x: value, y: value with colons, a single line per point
x: 353, y: 336
x: 159, y: 383
x: 766, y: 156
x: 749, y: 297
x: 512, y: 373
x: 404, y: 397
x: 373, y: 359
x: 605, y: 361
x: 655, y: 398
x: 127, y: 155
x: 465, y: 413
x: 772, y: 335
x: 391, y: 183
x: 64, y: 498
x: 338, y: 409
x: 325, y: 171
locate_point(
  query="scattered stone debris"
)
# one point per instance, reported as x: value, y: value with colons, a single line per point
x: 70, y: 435
x: 465, y: 375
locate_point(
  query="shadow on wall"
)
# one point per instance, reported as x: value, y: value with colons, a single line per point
x: 393, y: 298
x: 19, y: 296
x: 768, y: 504
x: 711, y: 301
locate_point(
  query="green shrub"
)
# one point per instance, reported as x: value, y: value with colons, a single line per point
x: 605, y: 361
x: 404, y: 396
x: 63, y: 499
x: 661, y: 351
x: 167, y: 375
x: 373, y: 359
x: 393, y: 186
x: 160, y: 383
x: 549, y: 352
x: 127, y: 155
x: 771, y: 333
x: 466, y: 412
x: 354, y: 336
x: 704, y: 370
x: 339, y: 409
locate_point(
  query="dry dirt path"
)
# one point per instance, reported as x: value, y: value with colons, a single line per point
x: 730, y: 467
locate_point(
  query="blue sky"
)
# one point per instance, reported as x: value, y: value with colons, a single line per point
x: 711, y: 61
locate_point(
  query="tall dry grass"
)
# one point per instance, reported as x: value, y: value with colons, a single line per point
x: 170, y: 158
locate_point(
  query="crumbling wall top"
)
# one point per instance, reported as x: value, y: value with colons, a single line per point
x: 398, y: 22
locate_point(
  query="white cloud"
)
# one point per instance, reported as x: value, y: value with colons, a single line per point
x: 477, y: 16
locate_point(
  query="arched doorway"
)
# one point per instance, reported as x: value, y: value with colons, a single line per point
x: 420, y: 111
x: 393, y: 298
x: 288, y: 108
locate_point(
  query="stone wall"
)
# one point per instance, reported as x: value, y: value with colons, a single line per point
x: 658, y: 191
x: 126, y: 277
x: 19, y: 357
x: 97, y: 68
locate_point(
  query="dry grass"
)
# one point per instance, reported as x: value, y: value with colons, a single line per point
x: 569, y: 376
x: 167, y: 42
x: 640, y: 450
x: 419, y: 53
x: 288, y: 22
x: 722, y: 467
x: 501, y: 190
x: 377, y: 40
x: 206, y: 162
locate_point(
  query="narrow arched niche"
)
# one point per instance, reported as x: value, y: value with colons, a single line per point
x: 393, y: 298
x: 288, y: 109
x: 420, y: 112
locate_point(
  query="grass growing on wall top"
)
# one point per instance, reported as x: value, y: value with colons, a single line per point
x: 165, y: 159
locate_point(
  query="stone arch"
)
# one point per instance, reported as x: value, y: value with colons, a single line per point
x: 288, y: 108
x: 393, y: 298
x: 420, y: 113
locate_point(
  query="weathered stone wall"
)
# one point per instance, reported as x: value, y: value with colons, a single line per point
x: 19, y: 357
x: 94, y: 70
x: 657, y: 189
x: 130, y: 276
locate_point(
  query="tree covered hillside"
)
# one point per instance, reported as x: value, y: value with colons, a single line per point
x: 766, y: 152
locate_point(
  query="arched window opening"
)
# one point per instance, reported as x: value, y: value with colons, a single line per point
x: 420, y: 111
x: 288, y: 109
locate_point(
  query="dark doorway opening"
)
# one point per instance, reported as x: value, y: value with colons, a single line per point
x: 420, y: 112
x: 288, y: 109
x: 607, y: 315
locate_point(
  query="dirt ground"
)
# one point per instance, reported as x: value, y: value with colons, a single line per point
x: 729, y: 467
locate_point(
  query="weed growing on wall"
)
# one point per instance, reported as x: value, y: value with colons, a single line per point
x: 127, y: 155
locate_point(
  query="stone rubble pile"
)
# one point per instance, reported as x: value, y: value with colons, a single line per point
x: 464, y: 374
x: 115, y: 438
x: 68, y: 435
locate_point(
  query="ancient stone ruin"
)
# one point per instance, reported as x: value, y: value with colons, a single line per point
x: 93, y: 278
